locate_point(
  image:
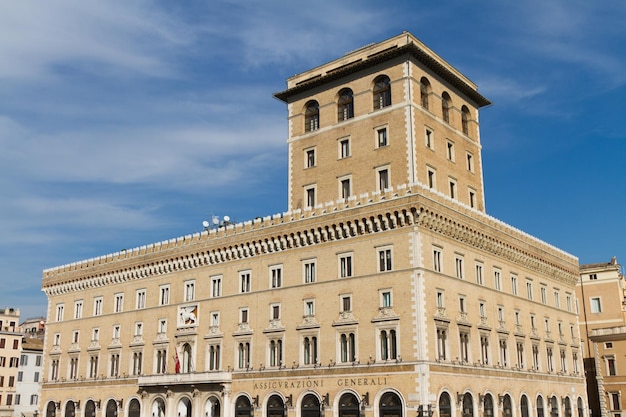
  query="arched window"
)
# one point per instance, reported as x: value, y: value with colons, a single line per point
x: 243, y: 408
x: 567, y: 407
x: 540, y: 406
x: 276, y: 352
x: 507, y: 406
x: 445, y: 407
x: 446, y: 103
x: 390, y: 405
x: 134, y: 408
x: 348, y: 347
x: 388, y: 345
x: 187, y: 363
x: 382, y: 92
x: 524, y: 406
x: 70, y: 409
x: 212, y: 407
x: 465, y: 116
x: 111, y: 410
x: 468, y: 405
x: 580, y: 407
x: 348, y: 406
x: 345, y: 105
x: 158, y: 408
x: 488, y: 405
x: 424, y: 92
x: 310, y: 406
x: 276, y: 407
x: 184, y: 407
x: 51, y: 409
x: 311, y: 116
x: 90, y: 409
x: 554, y: 407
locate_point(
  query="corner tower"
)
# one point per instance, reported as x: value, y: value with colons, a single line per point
x: 384, y: 115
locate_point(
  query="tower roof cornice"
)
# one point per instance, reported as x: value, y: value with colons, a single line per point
x: 324, y: 75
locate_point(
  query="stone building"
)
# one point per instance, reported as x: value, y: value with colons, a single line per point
x: 383, y: 290
x: 603, y: 328
x: 10, y: 348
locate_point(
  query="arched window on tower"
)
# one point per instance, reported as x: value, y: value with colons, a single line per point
x: 312, y: 116
x: 425, y: 90
x: 345, y: 105
x: 382, y: 92
x: 446, y: 103
x: 465, y: 116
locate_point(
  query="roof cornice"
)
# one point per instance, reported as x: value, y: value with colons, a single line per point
x: 410, y: 49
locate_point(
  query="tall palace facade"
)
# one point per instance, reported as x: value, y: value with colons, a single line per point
x: 384, y: 290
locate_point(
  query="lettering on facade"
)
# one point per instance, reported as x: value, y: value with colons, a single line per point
x: 361, y: 382
x: 313, y: 383
x: 289, y: 384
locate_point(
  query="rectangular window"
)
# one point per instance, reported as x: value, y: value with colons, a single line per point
x: 384, y: 259
x: 513, y: 284
x: 141, y: 299
x: 610, y: 366
x: 162, y: 326
x: 450, y: 151
x: 276, y: 276
x: 479, y: 274
x: 78, y: 309
x: 309, y: 195
x: 458, y: 266
x: 568, y: 302
x: 275, y: 311
x: 310, y: 158
x: 385, y: 299
x: 97, y: 306
x: 437, y: 261
x: 23, y: 360
x: 472, y: 198
x: 501, y: 314
x: 529, y: 290
x: 344, y: 188
x: 215, y: 319
x: 344, y: 148
x: 243, y: 315
x: 119, y: 303
x: 470, y: 162
x: 308, y: 271
x: 596, y: 306
x: 309, y: 308
x: 452, y: 188
x: 432, y: 183
x: 60, y: 309
x: 440, y: 299
x: 615, y: 405
x: 346, y: 303
x: 216, y: 286
x: 164, y: 295
x: 557, y: 299
x: 95, y: 335
x: 75, y: 337
x: 497, y: 279
x: 20, y: 376
x: 462, y: 307
x: 429, y: 139
x: 544, y: 295
x: 190, y: 290
x: 383, y: 179
x: 345, y: 265
x: 138, y: 329
x: 381, y: 136
x: 245, y: 281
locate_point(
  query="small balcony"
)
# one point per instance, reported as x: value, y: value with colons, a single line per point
x: 184, y: 379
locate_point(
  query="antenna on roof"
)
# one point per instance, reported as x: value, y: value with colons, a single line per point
x: 216, y: 222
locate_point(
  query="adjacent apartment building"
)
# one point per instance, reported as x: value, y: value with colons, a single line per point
x: 603, y: 326
x: 384, y: 289
x: 10, y: 348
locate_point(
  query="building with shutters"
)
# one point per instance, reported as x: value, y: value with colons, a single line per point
x: 384, y: 289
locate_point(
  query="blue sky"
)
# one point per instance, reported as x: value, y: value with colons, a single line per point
x: 126, y: 123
